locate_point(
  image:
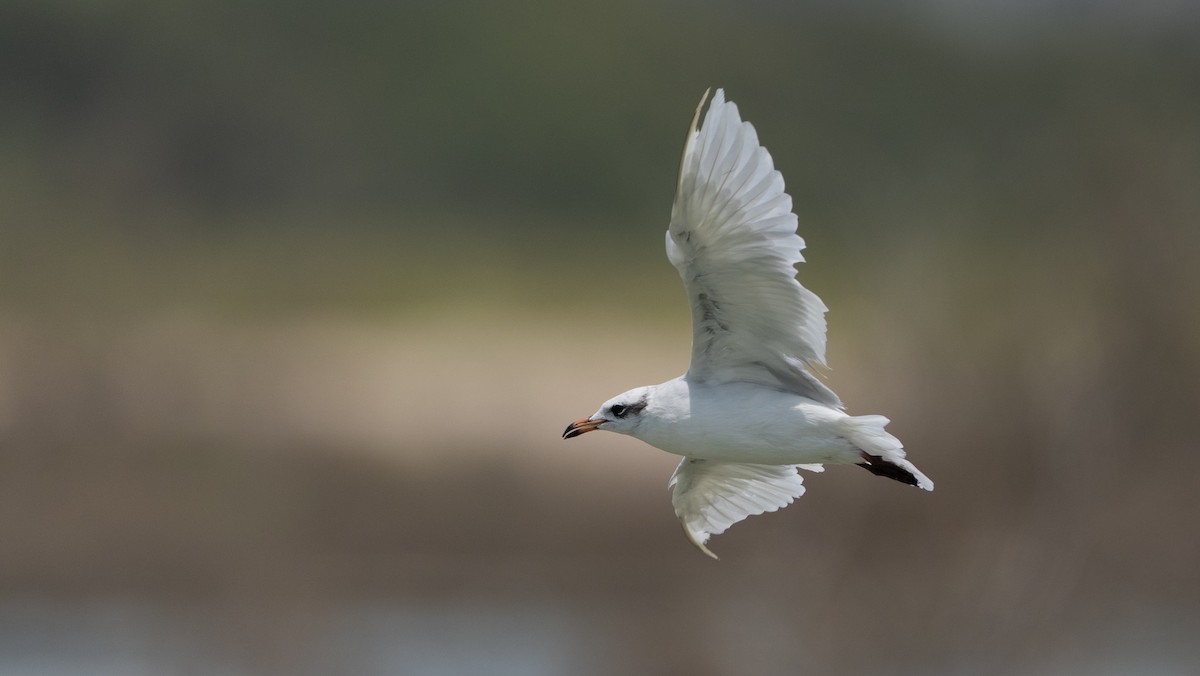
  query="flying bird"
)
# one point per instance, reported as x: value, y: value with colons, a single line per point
x: 749, y: 413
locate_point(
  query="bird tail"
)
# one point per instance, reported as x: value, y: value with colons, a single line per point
x: 882, y: 453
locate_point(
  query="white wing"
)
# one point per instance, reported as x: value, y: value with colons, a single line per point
x: 733, y: 239
x: 711, y: 496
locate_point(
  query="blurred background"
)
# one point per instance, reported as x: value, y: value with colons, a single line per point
x: 297, y: 298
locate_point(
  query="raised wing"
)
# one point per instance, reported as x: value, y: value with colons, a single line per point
x: 710, y: 496
x: 733, y: 239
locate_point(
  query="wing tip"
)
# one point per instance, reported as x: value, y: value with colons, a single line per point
x: 700, y: 107
x: 698, y: 541
x: 687, y: 145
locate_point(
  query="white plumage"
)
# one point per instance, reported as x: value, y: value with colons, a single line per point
x: 711, y: 496
x: 733, y: 240
x: 748, y: 412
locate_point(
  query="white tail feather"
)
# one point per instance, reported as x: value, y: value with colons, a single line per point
x: 868, y: 434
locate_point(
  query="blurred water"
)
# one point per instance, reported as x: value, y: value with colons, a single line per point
x: 460, y: 638
x: 129, y: 638
x: 41, y: 637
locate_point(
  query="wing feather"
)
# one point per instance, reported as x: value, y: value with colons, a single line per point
x: 710, y: 496
x: 733, y: 240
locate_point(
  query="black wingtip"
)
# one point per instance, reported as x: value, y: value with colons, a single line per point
x: 880, y: 467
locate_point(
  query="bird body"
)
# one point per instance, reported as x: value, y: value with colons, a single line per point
x: 742, y: 422
x: 749, y: 412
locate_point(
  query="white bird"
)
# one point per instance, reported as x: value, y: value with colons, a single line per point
x: 748, y: 413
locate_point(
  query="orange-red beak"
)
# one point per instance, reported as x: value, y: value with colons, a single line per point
x: 581, y: 426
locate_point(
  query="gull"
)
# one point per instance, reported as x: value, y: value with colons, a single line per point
x: 749, y: 412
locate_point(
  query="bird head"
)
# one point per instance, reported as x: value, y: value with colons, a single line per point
x: 621, y: 414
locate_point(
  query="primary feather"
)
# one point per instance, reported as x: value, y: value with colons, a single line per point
x: 710, y: 496
x: 733, y: 240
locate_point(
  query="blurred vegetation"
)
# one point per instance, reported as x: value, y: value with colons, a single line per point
x: 297, y: 118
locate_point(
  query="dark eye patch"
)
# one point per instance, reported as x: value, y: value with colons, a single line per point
x: 622, y: 410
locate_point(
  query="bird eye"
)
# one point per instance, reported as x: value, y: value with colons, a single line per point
x: 618, y: 410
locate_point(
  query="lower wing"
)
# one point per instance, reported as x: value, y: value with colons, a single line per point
x: 710, y: 496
